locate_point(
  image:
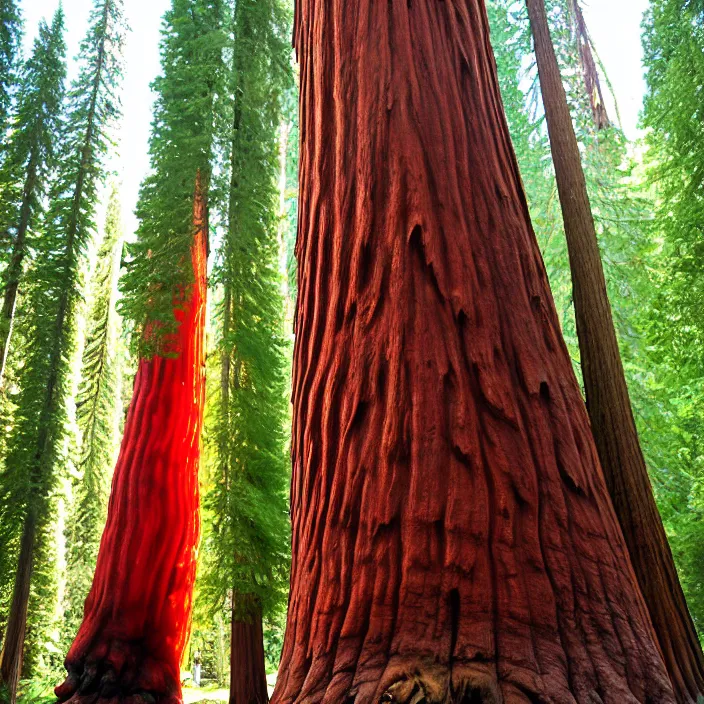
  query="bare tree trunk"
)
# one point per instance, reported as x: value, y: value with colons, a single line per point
x: 453, y: 537
x: 607, y: 393
x: 138, y: 613
x: 247, y: 661
x: 13, y: 645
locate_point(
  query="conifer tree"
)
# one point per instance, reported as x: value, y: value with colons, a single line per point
x: 153, y: 509
x: 181, y: 145
x: 673, y: 41
x: 10, y: 55
x: 99, y: 410
x: 29, y: 160
x: 250, y: 531
x: 35, y: 454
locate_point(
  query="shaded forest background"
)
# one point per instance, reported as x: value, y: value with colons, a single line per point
x: 648, y: 202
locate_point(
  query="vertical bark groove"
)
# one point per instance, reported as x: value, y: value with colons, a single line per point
x: 608, y: 400
x: 247, y: 661
x: 137, y: 615
x: 439, y: 555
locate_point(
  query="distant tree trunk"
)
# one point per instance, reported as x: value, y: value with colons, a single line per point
x: 607, y: 394
x: 137, y: 615
x: 453, y: 537
x: 592, y: 84
x: 13, y: 645
x: 14, y: 270
x: 247, y: 661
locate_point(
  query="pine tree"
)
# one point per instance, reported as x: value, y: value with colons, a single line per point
x: 673, y: 41
x: 10, y: 55
x: 249, y: 502
x: 36, y: 449
x: 99, y: 411
x: 29, y: 160
x: 181, y: 145
x: 153, y: 520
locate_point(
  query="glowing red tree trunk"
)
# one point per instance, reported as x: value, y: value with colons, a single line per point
x: 137, y: 615
x: 453, y: 538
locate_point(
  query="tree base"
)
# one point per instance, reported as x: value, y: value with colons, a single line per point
x: 119, y: 672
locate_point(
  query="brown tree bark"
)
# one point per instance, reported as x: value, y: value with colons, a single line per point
x: 13, y: 644
x: 453, y: 537
x: 607, y: 393
x: 247, y: 661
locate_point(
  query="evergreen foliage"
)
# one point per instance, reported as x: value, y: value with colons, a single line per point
x: 182, y: 143
x: 10, y: 55
x: 39, y: 449
x: 30, y: 159
x: 248, y: 535
x: 674, y: 115
x: 99, y: 411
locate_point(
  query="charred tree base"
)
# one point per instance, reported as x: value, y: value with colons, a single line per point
x: 120, y: 672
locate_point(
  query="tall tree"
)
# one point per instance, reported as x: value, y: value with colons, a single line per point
x: 10, y: 55
x: 137, y: 618
x: 99, y: 410
x: 250, y: 531
x: 606, y: 390
x: 182, y: 144
x: 30, y: 158
x: 35, y: 455
x: 137, y: 614
x: 453, y: 537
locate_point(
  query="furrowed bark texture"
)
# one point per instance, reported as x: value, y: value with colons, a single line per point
x: 137, y: 615
x: 247, y: 661
x: 607, y: 393
x: 453, y: 538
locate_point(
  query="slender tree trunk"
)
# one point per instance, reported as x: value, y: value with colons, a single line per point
x: 137, y: 614
x: 607, y: 393
x: 13, y: 645
x: 247, y: 661
x: 14, y: 272
x: 453, y: 537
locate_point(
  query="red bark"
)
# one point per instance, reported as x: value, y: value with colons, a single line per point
x: 247, y: 661
x: 137, y: 615
x: 453, y: 538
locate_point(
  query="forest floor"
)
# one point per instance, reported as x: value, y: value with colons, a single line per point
x: 196, y: 695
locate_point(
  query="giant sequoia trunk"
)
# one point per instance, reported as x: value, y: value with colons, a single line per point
x: 137, y: 614
x: 247, y: 660
x: 453, y: 537
x: 607, y: 394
